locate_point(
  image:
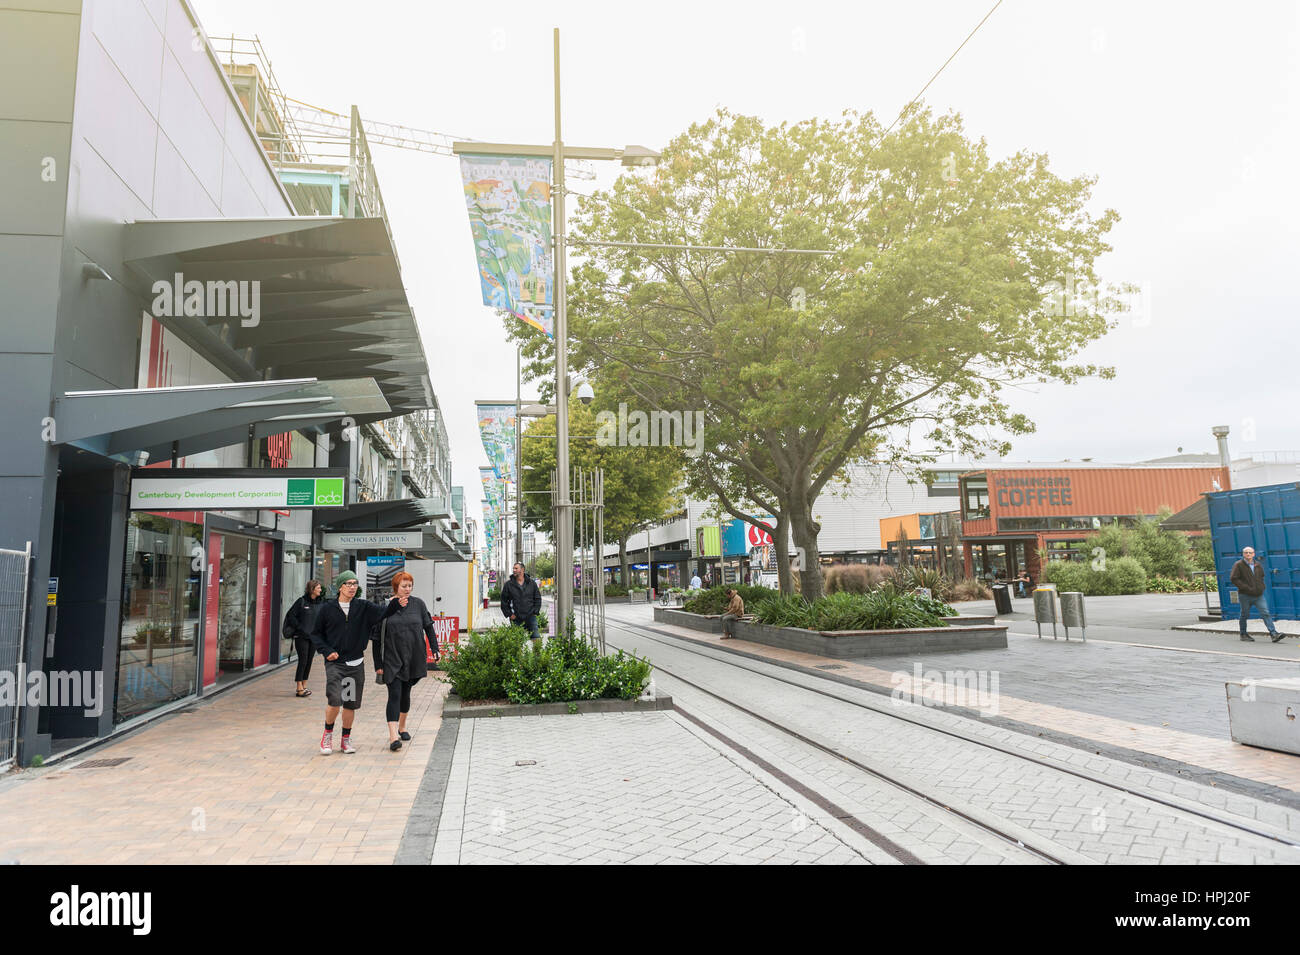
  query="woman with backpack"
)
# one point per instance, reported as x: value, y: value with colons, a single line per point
x: 298, y: 623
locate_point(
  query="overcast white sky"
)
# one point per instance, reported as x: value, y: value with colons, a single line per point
x: 1187, y: 113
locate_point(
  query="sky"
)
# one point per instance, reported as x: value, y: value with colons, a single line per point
x: 1185, y: 112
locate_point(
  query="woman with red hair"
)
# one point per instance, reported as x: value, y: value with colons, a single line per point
x: 405, y: 661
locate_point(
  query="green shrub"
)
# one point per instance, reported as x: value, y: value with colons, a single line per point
x: 615, y: 590
x: 1122, y: 575
x: 714, y: 600
x: 478, y: 670
x: 570, y: 668
x: 494, y: 594
x: 1173, y: 585
x: 543, y: 623
x: 916, y: 578
x: 887, y: 608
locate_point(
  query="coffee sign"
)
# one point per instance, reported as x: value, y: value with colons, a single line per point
x: 1053, y: 491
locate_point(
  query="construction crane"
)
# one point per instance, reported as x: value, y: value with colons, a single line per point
x: 316, y: 121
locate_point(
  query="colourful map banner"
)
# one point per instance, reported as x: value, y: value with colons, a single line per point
x: 494, y: 492
x: 509, y: 203
x: 496, y: 426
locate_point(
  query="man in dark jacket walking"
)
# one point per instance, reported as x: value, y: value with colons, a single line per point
x: 1248, y: 577
x: 343, y: 628
x: 521, y: 599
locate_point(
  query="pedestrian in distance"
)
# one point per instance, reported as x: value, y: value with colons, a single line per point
x: 521, y: 599
x: 1024, y: 583
x: 1248, y: 576
x: 298, y: 624
x: 696, y: 583
x: 343, y: 628
x: 735, y: 610
x: 401, y: 660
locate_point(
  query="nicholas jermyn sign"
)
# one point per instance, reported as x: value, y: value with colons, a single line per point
x: 199, y: 491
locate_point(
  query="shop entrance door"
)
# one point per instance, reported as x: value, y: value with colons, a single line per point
x: 239, y: 630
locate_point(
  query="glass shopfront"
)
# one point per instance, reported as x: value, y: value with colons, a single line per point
x: 237, y: 607
x: 158, y: 640
x: 294, y: 574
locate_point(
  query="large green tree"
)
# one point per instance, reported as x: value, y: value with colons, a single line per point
x: 942, y: 290
x: 642, y: 484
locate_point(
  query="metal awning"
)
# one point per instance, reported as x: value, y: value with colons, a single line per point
x: 124, y: 422
x: 330, y: 294
x: 438, y: 546
x: 383, y: 515
x: 1194, y: 517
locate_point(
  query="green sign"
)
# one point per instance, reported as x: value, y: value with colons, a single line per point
x: 301, y: 493
x: 329, y: 492
x: 201, y: 489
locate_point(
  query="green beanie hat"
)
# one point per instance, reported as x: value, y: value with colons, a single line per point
x: 343, y: 578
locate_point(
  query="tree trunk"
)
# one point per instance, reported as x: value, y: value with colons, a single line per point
x: 804, y: 530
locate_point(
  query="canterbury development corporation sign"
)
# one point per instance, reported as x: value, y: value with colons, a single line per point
x: 199, y: 489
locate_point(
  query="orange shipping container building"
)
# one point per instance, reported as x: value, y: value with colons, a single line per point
x: 1009, y: 516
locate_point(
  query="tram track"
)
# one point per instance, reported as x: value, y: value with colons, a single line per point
x: 1040, y: 848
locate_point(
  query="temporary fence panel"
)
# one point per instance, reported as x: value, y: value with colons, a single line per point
x: 15, y: 572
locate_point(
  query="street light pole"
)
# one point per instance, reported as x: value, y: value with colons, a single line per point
x: 564, y: 526
x: 557, y: 152
x: 519, y: 471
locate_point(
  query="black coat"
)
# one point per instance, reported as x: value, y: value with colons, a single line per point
x: 404, y: 632
x: 521, y: 600
x: 1248, y: 580
x: 348, y: 635
x: 301, y: 618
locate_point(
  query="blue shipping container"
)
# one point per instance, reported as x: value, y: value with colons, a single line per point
x: 1267, y: 519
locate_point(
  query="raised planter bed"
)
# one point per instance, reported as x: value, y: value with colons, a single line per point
x: 696, y: 621
x: 853, y: 643
x: 455, y: 709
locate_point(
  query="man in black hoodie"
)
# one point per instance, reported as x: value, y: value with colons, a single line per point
x: 521, y: 599
x: 343, y: 628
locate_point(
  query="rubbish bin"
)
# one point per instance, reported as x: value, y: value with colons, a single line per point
x: 1001, y: 599
x: 1072, y: 613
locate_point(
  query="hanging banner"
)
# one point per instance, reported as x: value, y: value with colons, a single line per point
x: 495, y: 492
x: 496, y: 426
x: 509, y: 203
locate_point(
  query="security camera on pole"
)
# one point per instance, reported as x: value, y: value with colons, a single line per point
x: 631, y: 156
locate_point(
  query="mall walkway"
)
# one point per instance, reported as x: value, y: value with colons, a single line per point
x: 238, y: 778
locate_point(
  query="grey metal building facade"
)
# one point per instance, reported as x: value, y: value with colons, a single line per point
x: 127, y: 158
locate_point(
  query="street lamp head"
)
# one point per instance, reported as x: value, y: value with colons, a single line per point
x: 640, y: 156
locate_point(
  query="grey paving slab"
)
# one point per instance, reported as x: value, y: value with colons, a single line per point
x: 604, y: 779
x: 1019, y: 791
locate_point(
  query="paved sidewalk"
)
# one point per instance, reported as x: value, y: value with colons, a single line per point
x: 1166, y: 703
x: 237, y: 779
x: 620, y: 788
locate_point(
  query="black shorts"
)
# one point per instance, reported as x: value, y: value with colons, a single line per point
x: 344, y: 684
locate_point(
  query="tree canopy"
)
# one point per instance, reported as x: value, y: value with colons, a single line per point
x: 941, y: 290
